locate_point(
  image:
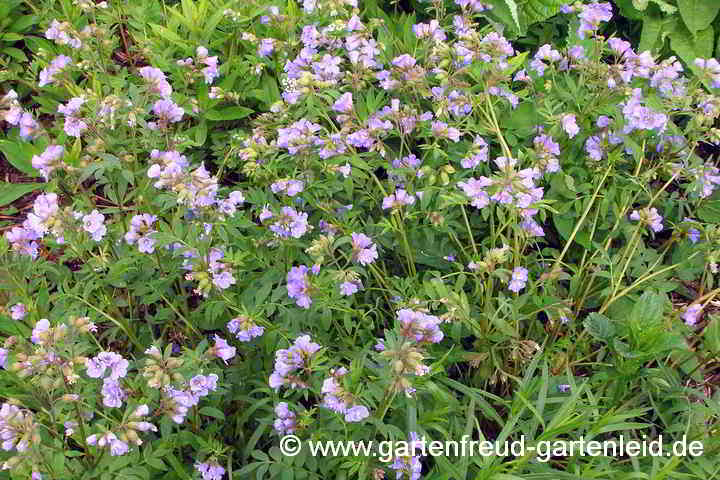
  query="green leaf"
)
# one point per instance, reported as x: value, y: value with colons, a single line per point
x: 652, y: 25
x: 698, y: 14
x: 15, y: 53
x: 665, y: 7
x: 19, y: 155
x: 599, y: 326
x: 710, y: 211
x: 689, y: 48
x: 212, y: 412
x: 712, y: 334
x: 228, y: 113
x: 9, y: 192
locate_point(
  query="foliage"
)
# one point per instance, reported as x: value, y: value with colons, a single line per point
x: 352, y: 221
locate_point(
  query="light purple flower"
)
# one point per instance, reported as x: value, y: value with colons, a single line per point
x: 18, y: 311
x: 103, y: 361
x: 364, y: 250
x: 518, y: 279
x: 691, y: 314
x: 156, y: 80
x: 569, y: 124
x: 166, y: 112
x: 113, y: 394
x: 210, y: 470
x: 344, y: 104
x: 398, y: 199
x: 222, y: 350
x: 93, y: 223
x: 47, y: 75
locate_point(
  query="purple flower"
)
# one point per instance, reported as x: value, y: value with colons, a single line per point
x: 244, y: 328
x: 356, y: 413
x: 711, y: 68
x: 349, y: 288
x: 113, y: 394
x: 202, y: 385
x: 590, y: 17
x: 691, y: 314
x: 287, y: 361
x: 210, y: 470
x: 18, y: 311
x: 156, y: 80
x: 49, y: 160
x: 290, y: 223
x: 441, y: 129
x: 166, y: 112
x: 298, y: 137
x: 60, y: 32
x: 431, y: 30
x: 223, y: 280
x: 364, y: 251
x: 518, y: 279
x: 47, y: 75
x: 107, y: 360
x: 569, y: 124
x: 298, y: 286
x: 650, y: 217
x: 266, y: 47
x: 141, y: 231
x: 222, y: 350
x: 344, y: 104
x: 640, y: 117
x: 4, y: 358
x: 42, y: 326
x: 285, y: 419
x: 475, y: 189
x: 93, y: 224
x: 398, y: 199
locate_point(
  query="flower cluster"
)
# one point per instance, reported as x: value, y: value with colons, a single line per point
x: 337, y: 399
x: 285, y: 419
x: 244, y: 328
x: 289, y: 361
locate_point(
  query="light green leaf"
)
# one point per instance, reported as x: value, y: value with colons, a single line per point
x: 9, y: 192
x: 698, y: 14
x: 712, y: 334
x: 665, y: 7
x: 228, y: 113
x: 650, y: 32
x: 640, y: 4
x: 599, y: 326
x: 19, y: 155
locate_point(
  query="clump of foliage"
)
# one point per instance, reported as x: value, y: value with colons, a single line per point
x: 323, y: 220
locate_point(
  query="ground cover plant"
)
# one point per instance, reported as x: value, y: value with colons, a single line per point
x: 227, y: 222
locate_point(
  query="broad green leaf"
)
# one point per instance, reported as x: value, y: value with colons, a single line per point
x: 599, y: 326
x: 640, y: 4
x: 650, y: 32
x: 698, y: 14
x: 19, y: 155
x: 9, y: 192
x: 689, y: 48
x: 228, y: 113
